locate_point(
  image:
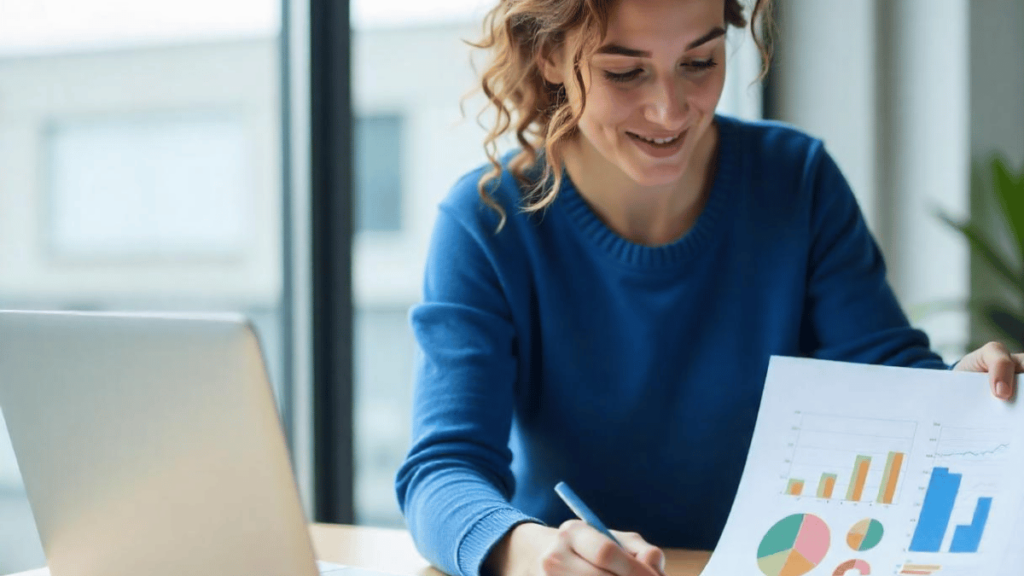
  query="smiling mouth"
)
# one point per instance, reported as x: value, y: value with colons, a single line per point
x: 662, y: 142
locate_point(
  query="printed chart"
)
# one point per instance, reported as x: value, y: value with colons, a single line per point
x: 857, y: 469
x: 962, y: 484
x: 847, y: 458
x: 865, y: 535
x: 794, y: 546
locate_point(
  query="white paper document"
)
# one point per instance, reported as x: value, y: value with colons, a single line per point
x: 857, y: 470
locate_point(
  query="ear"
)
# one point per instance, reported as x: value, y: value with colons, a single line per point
x: 550, y: 64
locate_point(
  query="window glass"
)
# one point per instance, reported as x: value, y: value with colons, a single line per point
x: 378, y: 155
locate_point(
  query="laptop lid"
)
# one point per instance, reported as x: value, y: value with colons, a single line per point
x: 150, y: 445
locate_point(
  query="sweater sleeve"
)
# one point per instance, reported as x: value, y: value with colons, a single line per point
x: 851, y: 312
x: 456, y: 482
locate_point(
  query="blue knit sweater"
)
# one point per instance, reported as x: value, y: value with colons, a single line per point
x: 557, y: 350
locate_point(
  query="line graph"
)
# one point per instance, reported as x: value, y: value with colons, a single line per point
x: 998, y: 449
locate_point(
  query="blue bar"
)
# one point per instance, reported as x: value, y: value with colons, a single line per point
x: 968, y: 538
x: 936, y: 511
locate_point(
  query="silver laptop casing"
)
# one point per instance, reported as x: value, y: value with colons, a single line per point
x: 150, y: 445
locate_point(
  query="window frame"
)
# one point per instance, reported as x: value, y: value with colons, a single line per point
x: 331, y: 231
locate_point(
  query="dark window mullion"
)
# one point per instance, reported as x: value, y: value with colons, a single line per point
x: 331, y: 229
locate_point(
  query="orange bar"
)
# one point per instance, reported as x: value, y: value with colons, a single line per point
x: 830, y: 484
x: 795, y: 488
x: 826, y: 485
x: 860, y: 475
x: 894, y: 476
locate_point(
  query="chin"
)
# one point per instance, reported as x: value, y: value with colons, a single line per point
x: 651, y: 176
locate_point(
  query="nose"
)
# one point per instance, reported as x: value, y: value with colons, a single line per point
x: 667, y: 104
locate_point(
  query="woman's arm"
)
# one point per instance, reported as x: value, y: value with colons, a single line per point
x: 455, y: 484
x: 851, y: 312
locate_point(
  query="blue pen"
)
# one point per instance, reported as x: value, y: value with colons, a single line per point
x: 582, y: 510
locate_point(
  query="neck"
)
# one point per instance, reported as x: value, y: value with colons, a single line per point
x: 650, y: 216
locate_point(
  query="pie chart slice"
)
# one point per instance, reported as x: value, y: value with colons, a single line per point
x: 865, y: 534
x: 794, y: 546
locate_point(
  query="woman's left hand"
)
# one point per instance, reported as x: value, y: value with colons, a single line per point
x: 1001, y: 366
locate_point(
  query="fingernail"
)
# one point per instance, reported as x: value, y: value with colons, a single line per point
x: 1002, y: 389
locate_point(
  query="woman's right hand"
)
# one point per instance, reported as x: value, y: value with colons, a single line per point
x: 573, y: 549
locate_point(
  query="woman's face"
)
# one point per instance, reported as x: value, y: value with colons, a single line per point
x: 652, y: 87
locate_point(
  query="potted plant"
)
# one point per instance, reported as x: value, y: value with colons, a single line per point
x: 1000, y: 248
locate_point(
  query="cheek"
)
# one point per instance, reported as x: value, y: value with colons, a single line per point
x: 706, y: 94
x: 608, y: 108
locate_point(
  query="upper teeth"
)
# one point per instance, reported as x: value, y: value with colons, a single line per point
x: 660, y: 140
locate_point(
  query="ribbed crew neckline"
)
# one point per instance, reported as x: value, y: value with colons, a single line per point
x: 653, y: 257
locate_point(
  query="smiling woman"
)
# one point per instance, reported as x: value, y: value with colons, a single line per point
x: 539, y: 86
x: 609, y: 320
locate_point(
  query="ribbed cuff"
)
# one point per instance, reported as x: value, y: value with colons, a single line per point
x: 477, y: 542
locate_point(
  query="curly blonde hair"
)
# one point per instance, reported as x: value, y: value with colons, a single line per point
x: 516, y: 32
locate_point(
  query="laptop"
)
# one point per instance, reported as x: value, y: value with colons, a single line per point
x: 151, y: 445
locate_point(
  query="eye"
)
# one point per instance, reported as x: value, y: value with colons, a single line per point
x: 700, y: 65
x: 623, y: 76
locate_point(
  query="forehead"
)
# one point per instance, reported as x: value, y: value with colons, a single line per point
x: 637, y: 22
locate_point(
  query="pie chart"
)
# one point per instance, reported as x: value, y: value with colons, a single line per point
x: 859, y: 565
x: 865, y: 534
x: 794, y: 546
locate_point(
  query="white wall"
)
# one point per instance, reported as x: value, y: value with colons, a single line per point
x: 925, y: 166
x: 823, y: 80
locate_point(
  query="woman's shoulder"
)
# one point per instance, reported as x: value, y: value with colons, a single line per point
x: 465, y: 202
x: 774, y: 140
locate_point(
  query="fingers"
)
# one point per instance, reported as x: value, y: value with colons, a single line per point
x: 1019, y: 361
x: 643, y: 550
x: 598, y: 554
x: 563, y: 561
x: 1001, y: 367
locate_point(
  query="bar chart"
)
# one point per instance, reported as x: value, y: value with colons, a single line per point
x: 961, y: 490
x: 837, y: 457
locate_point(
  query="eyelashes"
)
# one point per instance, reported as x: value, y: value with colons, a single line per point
x: 623, y: 77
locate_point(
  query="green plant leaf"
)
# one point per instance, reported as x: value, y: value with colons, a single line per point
x: 1009, y: 190
x: 1010, y: 323
x: 985, y: 249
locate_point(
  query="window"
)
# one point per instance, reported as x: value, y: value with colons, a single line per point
x: 378, y: 161
x: 141, y: 169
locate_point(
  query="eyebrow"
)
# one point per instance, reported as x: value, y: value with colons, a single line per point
x: 633, y: 52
